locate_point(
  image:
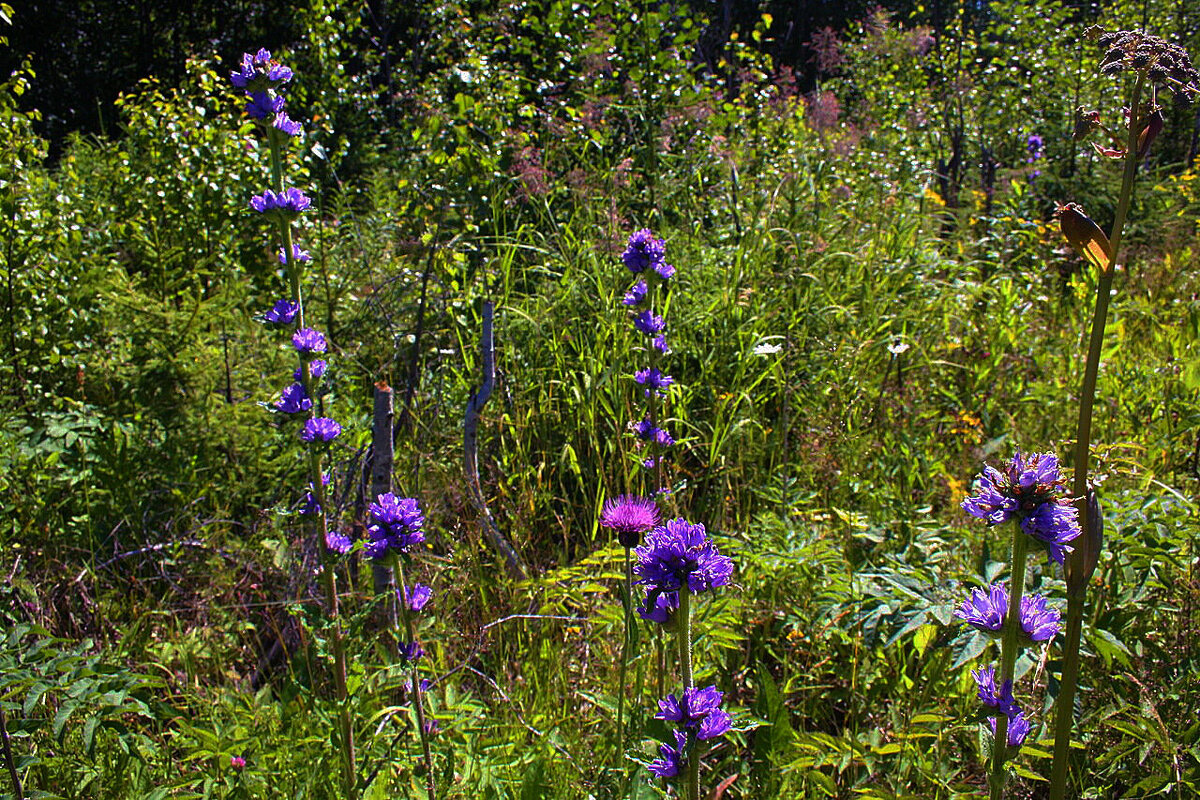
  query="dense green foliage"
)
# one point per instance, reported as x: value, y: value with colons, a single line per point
x: 872, y: 299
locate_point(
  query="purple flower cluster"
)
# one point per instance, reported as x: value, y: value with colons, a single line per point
x: 286, y: 204
x: 986, y: 610
x: 1002, y: 700
x: 696, y: 713
x: 680, y: 554
x: 1030, y: 491
x: 397, y: 525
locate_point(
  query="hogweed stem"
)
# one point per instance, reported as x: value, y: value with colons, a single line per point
x: 1065, y: 703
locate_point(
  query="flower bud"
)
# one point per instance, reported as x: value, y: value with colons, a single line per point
x: 1085, y: 236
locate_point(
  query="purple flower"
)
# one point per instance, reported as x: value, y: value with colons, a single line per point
x: 672, y: 759
x: 308, y: 341
x: 648, y: 432
x: 1018, y: 729
x: 338, y: 542
x: 1001, y: 699
x: 293, y: 400
x: 397, y: 525
x: 697, y: 708
x: 237, y: 762
x: 664, y: 270
x: 316, y: 368
x: 1029, y: 491
x: 636, y: 294
x: 678, y: 554
x: 1036, y: 148
x: 285, y: 205
x: 286, y: 125
x: 643, y: 251
x: 417, y: 596
x: 661, y: 608
x: 282, y: 313
x: 986, y: 610
x: 320, y: 429
x: 298, y: 256
x: 411, y: 651
x: 653, y: 379
x: 262, y: 105
x: 259, y: 72
x: 660, y: 344
x: 649, y: 323
x: 630, y: 516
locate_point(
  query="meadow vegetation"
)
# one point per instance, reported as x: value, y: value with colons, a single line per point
x: 872, y: 300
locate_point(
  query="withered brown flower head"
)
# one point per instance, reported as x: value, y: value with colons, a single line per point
x: 1165, y: 64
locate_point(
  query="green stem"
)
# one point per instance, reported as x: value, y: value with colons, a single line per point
x: 684, y: 616
x: 1008, y: 654
x: 1064, y: 705
x: 622, y: 668
x: 320, y: 524
x: 418, y: 703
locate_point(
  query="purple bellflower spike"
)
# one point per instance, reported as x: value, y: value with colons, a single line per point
x: 643, y: 252
x: 263, y: 106
x: 678, y: 554
x: 648, y: 432
x: 654, y: 380
x: 636, y: 294
x: 397, y: 525
x: 338, y: 542
x: 316, y: 368
x: 417, y: 597
x: 286, y: 205
x: 1000, y: 699
x: 672, y: 760
x: 260, y: 72
x: 1030, y: 490
x: 630, y: 516
x: 299, y: 256
x: 293, y: 400
x: 308, y: 341
x: 1018, y: 729
x: 697, y: 708
x: 660, y: 344
x: 649, y: 323
x: 320, y: 429
x: 985, y: 610
x: 282, y: 313
x: 411, y: 651
x: 286, y: 125
x: 661, y: 608
x: 664, y: 270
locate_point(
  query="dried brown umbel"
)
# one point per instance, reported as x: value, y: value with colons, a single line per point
x: 1166, y: 65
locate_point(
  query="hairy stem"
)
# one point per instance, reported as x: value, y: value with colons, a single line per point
x: 1008, y: 654
x: 418, y: 703
x: 685, y: 669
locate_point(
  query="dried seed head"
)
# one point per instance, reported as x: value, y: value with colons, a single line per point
x: 1167, y: 65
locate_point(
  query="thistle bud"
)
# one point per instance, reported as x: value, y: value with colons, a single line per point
x: 1081, y: 562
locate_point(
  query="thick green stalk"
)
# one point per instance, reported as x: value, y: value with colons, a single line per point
x: 1064, y: 705
x: 418, y: 703
x: 1008, y: 654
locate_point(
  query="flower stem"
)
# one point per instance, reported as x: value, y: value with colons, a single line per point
x: 320, y: 525
x: 418, y: 703
x: 8, y: 758
x: 685, y: 668
x: 1064, y: 704
x: 1008, y: 654
x: 628, y: 603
